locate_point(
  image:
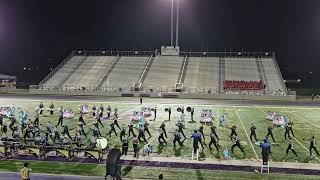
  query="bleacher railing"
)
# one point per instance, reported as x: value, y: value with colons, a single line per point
x: 160, y: 90
x: 57, y: 68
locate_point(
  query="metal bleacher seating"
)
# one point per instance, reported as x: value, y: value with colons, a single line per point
x: 164, y: 72
x: 89, y: 72
x: 202, y: 73
x: 126, y: 71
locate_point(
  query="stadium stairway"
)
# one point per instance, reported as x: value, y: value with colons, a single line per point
x: 104, y: 77
x: 137, y: 85
x: 182, y: 74
x: 62, y: 75
x: 126, y: 72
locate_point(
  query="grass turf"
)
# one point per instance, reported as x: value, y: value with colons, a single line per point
x: 305, y: 125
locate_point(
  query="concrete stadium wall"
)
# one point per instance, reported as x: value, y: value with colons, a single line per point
x: 159, y: 95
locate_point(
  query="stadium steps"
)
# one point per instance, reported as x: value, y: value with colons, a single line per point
x: 221, y: 73
x: 279, y: 73
x: 52, y: 73
x: 144, y: 73
x: 262, y: 72
x: 107, y: 72
x: 183, y: 70
x: 73, y: 70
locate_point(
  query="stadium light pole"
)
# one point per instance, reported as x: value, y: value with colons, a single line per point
x: 177, y: 24
x: 172, y: 22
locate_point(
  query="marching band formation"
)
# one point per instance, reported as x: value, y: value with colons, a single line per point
x: 22, y: 131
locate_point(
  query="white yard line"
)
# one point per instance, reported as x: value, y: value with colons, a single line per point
x: 246, y: 133
x: 293, y: 137
x: 301, y: 117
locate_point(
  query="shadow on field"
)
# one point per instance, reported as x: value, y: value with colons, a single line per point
x: 126, y: 170
x: 177, y: 151
x: 160, y: 148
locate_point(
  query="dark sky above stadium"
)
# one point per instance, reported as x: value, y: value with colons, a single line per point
x: 34, y: 32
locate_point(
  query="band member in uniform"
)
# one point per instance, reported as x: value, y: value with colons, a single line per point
x: 93, y: 142
x: 81, y: 118
x: 81, y: 129
x: 155, y: 113
x: 163, y: 128
x: 180, y: 127
x: 140, y: 100
x: 141, y: 134
x: 94, y: 109
x: 270, y: 128
x: 122, y: 133
x: 213, y: 131
x: 233, y: 131
x: 146, y: 129
x: 4, y: 129
x: 115, y: 121
x: 101, y: 109
x: 41, y: 107
x: 290, y: 124
x: 313, y: 146
x: 131, y: 129
x: 36, y: 119
x: 108, y: 111
x: 287, y: 132
x: 135, y: 147
x: 99, y: 121
x: 112, y: 129
x: 116, y: 112
x: 290, y: 147
x: 125, y: 146
x: 201, y: 131
x: 66, y: 130
x: 56, y: 134
x: 253, y: 132
x: 177, y: 138
x: 169, y: 111
x: 51, y: 108
x: 161, y: 138
x: 192, y: 112
x: 213, y: 140
x: 1, y: 121
x: 60, y: 121
x: 97, y: 130
x: 237, y: 144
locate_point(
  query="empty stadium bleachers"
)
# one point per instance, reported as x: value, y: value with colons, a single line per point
x: 64, y: 72
x: 126, y: 72
x: 200, y: 74
x: 164, y: 72
x: 89, y: 72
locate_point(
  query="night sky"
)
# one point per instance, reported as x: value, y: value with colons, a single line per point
x: 40, y: 33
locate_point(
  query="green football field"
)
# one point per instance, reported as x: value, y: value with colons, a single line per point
x: 305, y: 125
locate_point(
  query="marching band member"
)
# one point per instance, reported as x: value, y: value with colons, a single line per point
x: 93, y: 142
x: 115, y: 121
x: 290, y: 147
x: 36, y: 119
x: 101, y: 109
x: 94, y: 108
x: 130, y: 125
x: 41, y: 106
x: 290, y: 124
x: 99, y: 121
x: 122, y: 133
x: 213, y: 140
x: 51, y: 108
x: 116, y: 112
x: 60, y: 121
x: 66, y: 130
x: 56, y: 134
x: 146, y: 129
x: 125, y: 146
x: 97, y: 130
x: 270, y: 128
x: 163, y: 128
x: 108, y: 111
x: 213, y: 131
x: 81, y: 118
x: 161, y: 138
x: 135, y: 147
x: 253, y: 132
x: 201, y: 131
x: 233, y: 131
x: 237, y: 144
x: 313, y: 146
x: 112, y: 129
x: 141, y: 134
x: 287, y: 131
x: 177, y: 138
x: 155, y: 113
x: 180, y: 128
